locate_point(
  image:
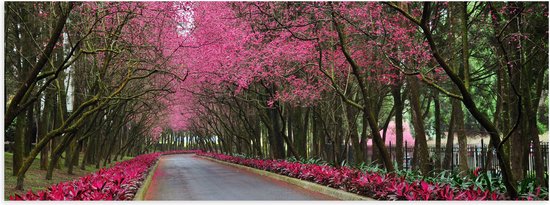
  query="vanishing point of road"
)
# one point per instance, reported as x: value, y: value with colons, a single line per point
x: 188, y: 177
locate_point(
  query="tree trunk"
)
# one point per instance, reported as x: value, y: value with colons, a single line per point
x: 418, y: 123
x: 465, y: 71
x: 46, y: 125
x: 358, y: 156
x: 462, y: 138
x: 449, y: 148
x: 75, y: 157
x: 300, y: 128
x: 56, y: 154
x: 396, y: 93
x: 539, y: 165
x: 315, y: 151
x: 30, y: 131
x: 85, y: 146
x: 19, y: 144
x: 437, y: 113
x: 276, y: 139
x: 518, y: 140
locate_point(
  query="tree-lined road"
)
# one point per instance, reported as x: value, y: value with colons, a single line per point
x: 187, y: 177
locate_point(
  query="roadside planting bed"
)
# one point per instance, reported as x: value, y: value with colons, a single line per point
x: 119, y: 182
x: 370, y: 184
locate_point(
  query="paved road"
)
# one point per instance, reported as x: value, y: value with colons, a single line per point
x: 187, y: 177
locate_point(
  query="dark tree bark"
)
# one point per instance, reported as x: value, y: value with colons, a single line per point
x: 423, y: 161
x: 56, y: 154
x: 438, y: 134
x: 396, y: 93
x: 19, y: 144
x: 448, y: 162
x: 300, y: 128
x: 275, y: 135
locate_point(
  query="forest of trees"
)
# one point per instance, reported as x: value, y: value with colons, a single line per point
x: 277, y: 80
x: 80, y: 80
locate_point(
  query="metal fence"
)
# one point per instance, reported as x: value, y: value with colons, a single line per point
x: 477, y: 156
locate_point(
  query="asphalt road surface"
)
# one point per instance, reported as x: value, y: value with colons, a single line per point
x: 187, y: 177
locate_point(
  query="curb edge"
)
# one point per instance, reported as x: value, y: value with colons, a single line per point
x: 140, y: 194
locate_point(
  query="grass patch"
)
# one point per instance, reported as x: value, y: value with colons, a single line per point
x: 35, y: 178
